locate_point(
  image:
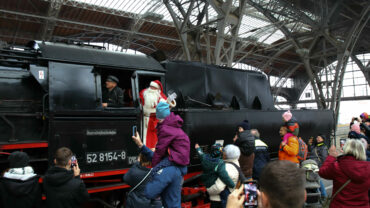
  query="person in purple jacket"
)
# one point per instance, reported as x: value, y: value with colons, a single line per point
x: 172, y: 140
x: 169, y: 160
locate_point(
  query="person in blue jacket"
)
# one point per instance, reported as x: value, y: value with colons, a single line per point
x: 166, y: 183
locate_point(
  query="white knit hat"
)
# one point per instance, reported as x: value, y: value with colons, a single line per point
x: 231, y: 152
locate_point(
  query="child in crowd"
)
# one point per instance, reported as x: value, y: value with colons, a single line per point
x: 292, y: 125
x: 213, y: 166
x: 173, y: 145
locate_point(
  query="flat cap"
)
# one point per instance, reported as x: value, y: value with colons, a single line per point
x: 112, y: 78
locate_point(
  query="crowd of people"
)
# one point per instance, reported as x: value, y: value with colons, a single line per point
x: 157, y: 179
x: 63, y: 188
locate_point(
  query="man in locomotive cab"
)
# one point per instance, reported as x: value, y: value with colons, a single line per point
x: 112, y: 95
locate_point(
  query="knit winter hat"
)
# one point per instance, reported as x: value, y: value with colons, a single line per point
x: 162, y: 110
x: 356, y: 128
x: 364, y: 115
x: 244, y: 125
x: 18, y: 159
x: 323, y: 136
x: 231, y: 151
x: 216, y: 150
x: 287, y: 116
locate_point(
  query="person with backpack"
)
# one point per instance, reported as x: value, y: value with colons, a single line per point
x: 137, y: 177
x: 219, y: 191
x: 213, y: 166
x: 289, y: 149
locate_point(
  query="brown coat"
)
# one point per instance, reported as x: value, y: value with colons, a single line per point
x: 246, y: 165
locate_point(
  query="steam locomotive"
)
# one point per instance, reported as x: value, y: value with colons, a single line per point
x: 51, y: 96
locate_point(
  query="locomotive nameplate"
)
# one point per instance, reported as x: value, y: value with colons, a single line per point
x: 101, y: 132
x: 107, y: 156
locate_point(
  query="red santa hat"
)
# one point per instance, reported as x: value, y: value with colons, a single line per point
x: 157, y: 84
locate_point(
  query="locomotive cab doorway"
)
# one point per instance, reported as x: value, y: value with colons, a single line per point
x: 140, y: 81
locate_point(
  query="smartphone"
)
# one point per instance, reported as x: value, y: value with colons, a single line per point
x: 250, y: 192
x: 74, y: 161
x: 134, y: 130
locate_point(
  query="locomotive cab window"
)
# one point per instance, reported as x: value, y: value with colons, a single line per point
x: 116, y: 88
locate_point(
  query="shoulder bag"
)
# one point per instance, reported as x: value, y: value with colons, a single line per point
x: 328, y: 200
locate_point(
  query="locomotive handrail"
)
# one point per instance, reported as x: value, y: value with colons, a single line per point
x: 188, y: 98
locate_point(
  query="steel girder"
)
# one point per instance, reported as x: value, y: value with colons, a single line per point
x: 106, y: 10
x: 53, y: 12
x: 347, y: 48
x: 138, y: 21
x: 194, y: 26
x: 365, y: 70
x: 301, y: 51
x: 82, y: 26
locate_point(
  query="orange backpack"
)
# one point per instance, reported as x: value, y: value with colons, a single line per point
x: 303, y: 150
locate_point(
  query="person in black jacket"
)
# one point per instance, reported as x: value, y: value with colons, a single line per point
x: 139, y: 172
x: 245, y: 141
x: 113, y: 96
x: 19, y: 186
x: 62, y: 184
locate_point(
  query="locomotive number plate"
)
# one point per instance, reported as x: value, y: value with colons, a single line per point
x: 108, y: 156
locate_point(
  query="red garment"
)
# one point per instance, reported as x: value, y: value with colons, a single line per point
x: 150, y: 135
x: 355, y: 194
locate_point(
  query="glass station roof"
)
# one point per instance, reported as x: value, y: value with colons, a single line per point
x: 254, y: 25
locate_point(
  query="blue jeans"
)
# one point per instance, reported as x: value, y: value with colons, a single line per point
x: 322, y: 189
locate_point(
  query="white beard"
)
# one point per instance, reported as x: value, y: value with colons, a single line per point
x: 151, y: 98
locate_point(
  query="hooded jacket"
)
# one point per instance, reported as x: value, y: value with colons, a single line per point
x: 245, y: 142
x: 213, y: 168
x: 133, y: 177
x: 355, y: 194
x: 16, y: 193
x: 63, y: 189
x: 165, y: 183
x: 173, y: 141
x: 215, y: 190
x: 319, y: 153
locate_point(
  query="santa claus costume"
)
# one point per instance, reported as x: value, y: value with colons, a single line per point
x: 149, y: 99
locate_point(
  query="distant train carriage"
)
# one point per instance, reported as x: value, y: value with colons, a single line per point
x: 51, y: 96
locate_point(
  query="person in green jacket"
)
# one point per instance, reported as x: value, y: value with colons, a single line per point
x: 213, y: 166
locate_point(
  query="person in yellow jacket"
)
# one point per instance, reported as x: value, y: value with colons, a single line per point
x: 288, y: 149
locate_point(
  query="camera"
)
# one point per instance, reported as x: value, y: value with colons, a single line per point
x: 250, y: 193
